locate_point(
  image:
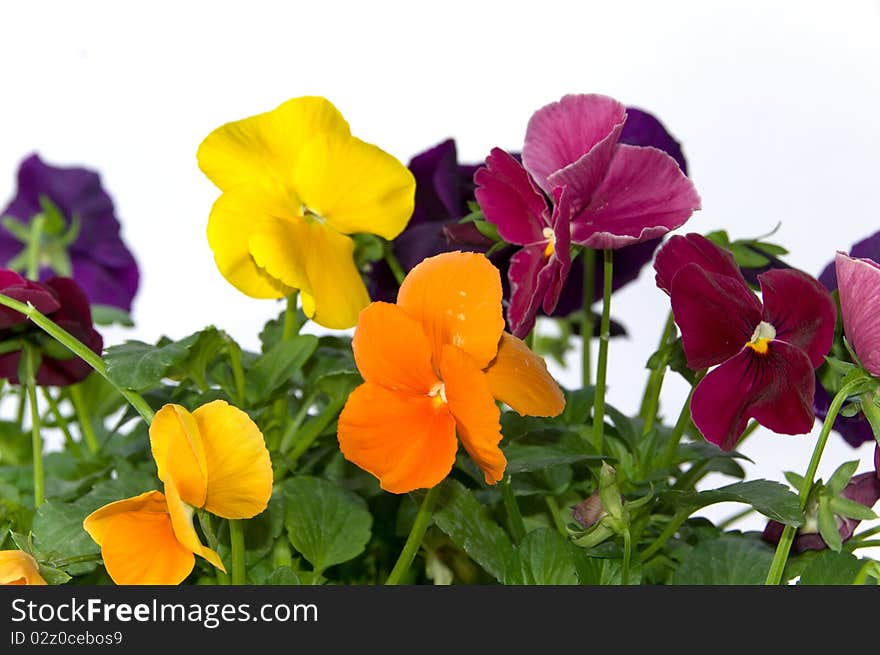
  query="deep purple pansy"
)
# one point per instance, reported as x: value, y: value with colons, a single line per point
x: 863, y: 489
x: 765, y: 353
x: 100, y: 262
x: 64, y: 302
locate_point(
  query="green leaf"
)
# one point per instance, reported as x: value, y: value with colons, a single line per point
x: 748, y: 258
x: 604, y: 570
x: 208, y: 343
x: 527, y: 457
x: 107, y: 315
x: 138, y: 365
x: 326, y: 524
x: 543, y: 557
x: 772, y: 499
x: 58, y: 531
x: 467, y: 523
x: 841, y: 477
x: 843, y: 506
x: 283, y: 576
x: 840, y: 366
x: 729, y: 560
x: 795, y: 480
x: 53, y: 576
x: 831, y: 568
x: 828, y: 527
x: 15, y: 445
x: 276, y: 366
x: 367, y: 248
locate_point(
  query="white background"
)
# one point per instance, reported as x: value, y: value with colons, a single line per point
x: 776, y: 105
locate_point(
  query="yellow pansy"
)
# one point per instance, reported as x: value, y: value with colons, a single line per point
x: 19, y: 568
x: 295, y: 183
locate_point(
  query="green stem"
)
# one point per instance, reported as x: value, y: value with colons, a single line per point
x: 313, y: 430
x: 517, y: 527
x: 416, y: 534
x: 236, y: 541
x: 870, y: 532
x: 777, y: 568
x: 60, y: 421
x: 394, y: 264
x: 587, y: 322
x: 33, y: 256
x: 76, y: 559
x: 870, y: 543
x: 291, y: 319
x: 671, y: 528
x: 627, y: 556
x: 294, y: 425
x: 684, y: 417
x: 75, y: 346
x: 651, y: 397
x: 602, y: 367
x: 85, y: 420
x: 213, y: 541
x: 234, y: 353
x: 36, y: 437
x: 553, y: 506
x: 22, y: 405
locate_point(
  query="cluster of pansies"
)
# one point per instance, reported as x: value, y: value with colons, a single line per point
x: 438, y: 414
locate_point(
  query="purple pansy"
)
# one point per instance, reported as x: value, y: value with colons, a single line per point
x: 766, y: 353
x: 101, y: 263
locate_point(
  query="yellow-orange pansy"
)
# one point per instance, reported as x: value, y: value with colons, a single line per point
x: 295, y: 184
x: 433, y: 366
x: 19, y: 568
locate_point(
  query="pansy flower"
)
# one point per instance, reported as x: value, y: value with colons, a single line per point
x: 295, y: 184
x: 433, y: 366
x: 214, y: 459
x: 63, y: 301
x: 765, y: 353
x: 97, y: 257
x: 19, y: 568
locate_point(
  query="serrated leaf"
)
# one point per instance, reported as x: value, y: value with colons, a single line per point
x: 772, y: 499
x: 277, y: 365
x: 138, y: 365
x: 543, y: 557
x: 326, y: 524
x: 467, y: 523
x: 830, y: 568
x: 728, y: 560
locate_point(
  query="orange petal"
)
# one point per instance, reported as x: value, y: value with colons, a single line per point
x: 405, y: 440
x: 179, y: 453
x: 238, y: 463
x: 19, y: 568
x: 519, y: 379
x: 456, y: 297
x: 181, y: 522
x: 476, y: 414
x: 391, y: 349
x: 138, y: 544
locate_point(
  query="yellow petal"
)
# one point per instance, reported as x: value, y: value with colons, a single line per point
x: 179, y: 453
x: 138, y: 544
x: 519, y: 378
x: 19, y: 568
x: 355, y: 186
x: 181, y: 522
x: 309, y: 256
x: 239, y: 468
x: 230, y: 225
x: 265, y: 149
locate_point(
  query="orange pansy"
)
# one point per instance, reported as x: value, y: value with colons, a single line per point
x: 19, y: 568
x: 434, y: 365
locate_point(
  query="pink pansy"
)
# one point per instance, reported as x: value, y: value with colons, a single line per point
x: 766, y: 352
x: 859, y: 283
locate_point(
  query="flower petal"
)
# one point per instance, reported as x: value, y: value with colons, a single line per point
x: 407, y: 441
x: 18, y: 288
x: 355, y: 186
x: 776, y: 389
x: 692, y: 248
x: 267, y: 148
x: 802, y: 311
x: 529, y: 277
x: 644, y: 195
x: 181, y: 522
x: 179, y: 451
x: 716, y: 314
x: 560, y: 259
x: 867, y: 248
x: 476, y: 414
x: 571, y: 142
x: 510, y: 200
x: 238, y: 464
x: 138, y: 544
x: 306, y: 255
x: 456, y: 297
x: 391, y: 349
x: 859, y: 284
x: 644, y: 129
x: 519, y: 378
x: 442, y: 185
x: 19, y: 568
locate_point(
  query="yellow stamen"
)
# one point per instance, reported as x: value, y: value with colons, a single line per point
x: 438, y: 395
x: 760, y: 346
x: 551, y: 243
x: 762, y: 337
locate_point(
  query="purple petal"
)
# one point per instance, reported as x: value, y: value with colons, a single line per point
x: 854, y: 429
x: 644, y: 195
x: 693, y: 248
x: 572, y: 142
x: 868, y: 248
x: 560, y: 260
x: 859, y: 285
x: 529, y: 279
x: 643, y: 129
x: 716, y: 314
x: 438, y: 184
x: 801, y: 310
x: 115, y: 287
x: 776, y: 389
x: 510, y: 200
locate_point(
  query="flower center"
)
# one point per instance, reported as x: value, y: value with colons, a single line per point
x: 438, y: 394
x: 311, y: 215
x: 551, y: 242
x: 761, y: 337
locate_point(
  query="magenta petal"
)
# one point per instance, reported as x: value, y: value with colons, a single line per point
x: 26, y: 291
x: 510, y: 200
x: 801, y: 311
x: 644, y: 195
x: 579, y: 131
x: 716, y: 314
x: 694, y: 248
x: 859, y: 283
x: 560, y: 260
x: 527, y: 288
x: 776, y: 389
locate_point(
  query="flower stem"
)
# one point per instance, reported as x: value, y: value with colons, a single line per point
x: 213, y: 541
x: 553, y: 508
x: 671, y: 528
x: 78, y: 348
x: 681, y: 424
x: 587, y: 322
x: 291, y: 320
x: 777, y: 568
x: 234, y: 352
x: 602, y: 367
x: 294, y: 425
x: 314, y: 429
x: 85, y: 421
x: 394, y: 264
x: 517, y: 527
x: 60, y: 421
x: 627, y: 556
x: 236, y: 541
x: 651, y: 398
x: 36, y: 437
x: 416, y: 534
